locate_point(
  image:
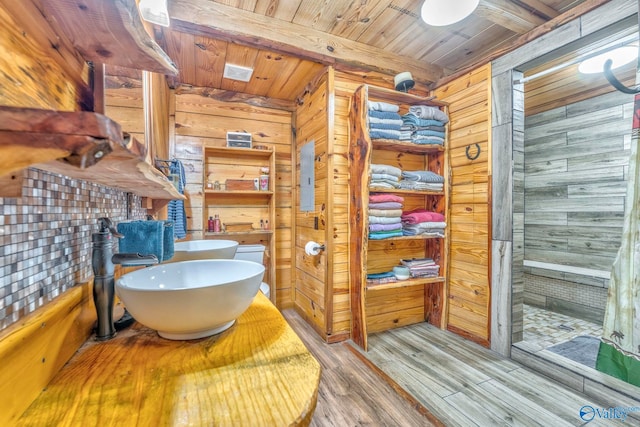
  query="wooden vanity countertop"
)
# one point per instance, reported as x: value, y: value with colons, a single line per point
x: 257, y: 373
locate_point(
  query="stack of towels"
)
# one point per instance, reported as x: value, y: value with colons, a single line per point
x: 421, y: 267
x: 385, y: 176
x: 381, y: 278
x: 385, y: 212
x: 421, y: 180
x: 384, y: 121
x: 421, y: 222
x: 426, y: 124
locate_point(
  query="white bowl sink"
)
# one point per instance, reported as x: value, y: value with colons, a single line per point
x: 203, y: 249
x: 190, y: 299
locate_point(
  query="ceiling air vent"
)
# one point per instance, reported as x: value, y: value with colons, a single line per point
x: 237, y: 72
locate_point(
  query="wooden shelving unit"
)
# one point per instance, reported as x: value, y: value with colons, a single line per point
x: 248, y: 206
x: 395, y: 304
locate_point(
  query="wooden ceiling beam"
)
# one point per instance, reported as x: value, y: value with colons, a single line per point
x: 215, y: 20
x: 541, y: 8
x: 509, y: 15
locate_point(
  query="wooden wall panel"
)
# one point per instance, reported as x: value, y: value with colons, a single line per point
x: 468, y: 225
x: 313, y: 278
x: 575, y: 181
x: 203, y: 121
x: 393, y: 308
x: 41, y: 69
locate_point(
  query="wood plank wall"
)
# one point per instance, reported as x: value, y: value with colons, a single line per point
x: 201, y: 120
x: 41, y: 69
x: 313, y: 281
x: 469, y: 222
x: 124, y: 101
x: 576, y: 166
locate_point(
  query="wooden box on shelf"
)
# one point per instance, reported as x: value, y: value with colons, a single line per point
x: 239, y: 185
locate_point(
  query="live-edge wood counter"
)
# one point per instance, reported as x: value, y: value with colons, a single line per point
x: 257, y: 373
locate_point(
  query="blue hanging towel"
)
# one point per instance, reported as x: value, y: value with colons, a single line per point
x: 175, y: 210
x: 142, y: 237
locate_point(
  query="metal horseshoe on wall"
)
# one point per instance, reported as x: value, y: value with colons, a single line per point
x: 466, y: 151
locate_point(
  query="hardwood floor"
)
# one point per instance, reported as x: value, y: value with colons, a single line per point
x: 464, y: 384
x: 351, y: 394
x: 421, y: 369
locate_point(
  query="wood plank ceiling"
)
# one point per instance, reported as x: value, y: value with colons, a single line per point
x: 287, y: 42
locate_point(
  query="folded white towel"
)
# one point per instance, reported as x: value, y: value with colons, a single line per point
x: 383, y: 106
x: 428, y: 112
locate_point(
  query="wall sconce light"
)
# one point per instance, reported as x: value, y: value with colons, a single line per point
x: 439, y: 13
x: 404, y: 81
x: 619, y: 56
x: 154, y: 11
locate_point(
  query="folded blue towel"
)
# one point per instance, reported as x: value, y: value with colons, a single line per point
x: 384, y: 115
x: 380, y: 275
x: 384, y: 134
x: 429, y: 133
x: 410, y: 119
x: 421, y: 176
x: 143, y: 237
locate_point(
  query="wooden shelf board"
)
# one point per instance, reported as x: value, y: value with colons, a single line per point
x: 390, y: 95
x: 418, y: 237
x: 237, y: 233
x: 240, y: 193
x: 81, y: 145
x: 406, y: 283
x: 405, y: 147
x: 110, y: 32
x: 403, y: 191
x: 237, y: 151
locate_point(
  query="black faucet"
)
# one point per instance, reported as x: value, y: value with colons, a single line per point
x: 102, y: 262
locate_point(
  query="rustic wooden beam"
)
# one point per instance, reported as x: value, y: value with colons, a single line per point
x: 541, y: 8
x: 543, y: 29
x: 508, y: 15
x: 203, y: 17
x: 359, y: 155
x: 230, y: 96
x: 40, y: 66
x: 110, y: 32
x: 81, y: 145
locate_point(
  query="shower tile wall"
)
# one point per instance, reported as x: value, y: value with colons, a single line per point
x: 576, y: 161
x: 582, y: 301
x: 45, y: 238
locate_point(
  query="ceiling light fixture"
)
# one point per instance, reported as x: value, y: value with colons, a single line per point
x: 154, y: 11
x: 620, y: 56
x: 446, y: 12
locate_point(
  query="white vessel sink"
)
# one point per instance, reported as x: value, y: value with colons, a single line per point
x: 190, y: 299
x: 203, y: 249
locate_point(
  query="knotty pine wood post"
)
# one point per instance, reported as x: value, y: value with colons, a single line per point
x: 359, y: 157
